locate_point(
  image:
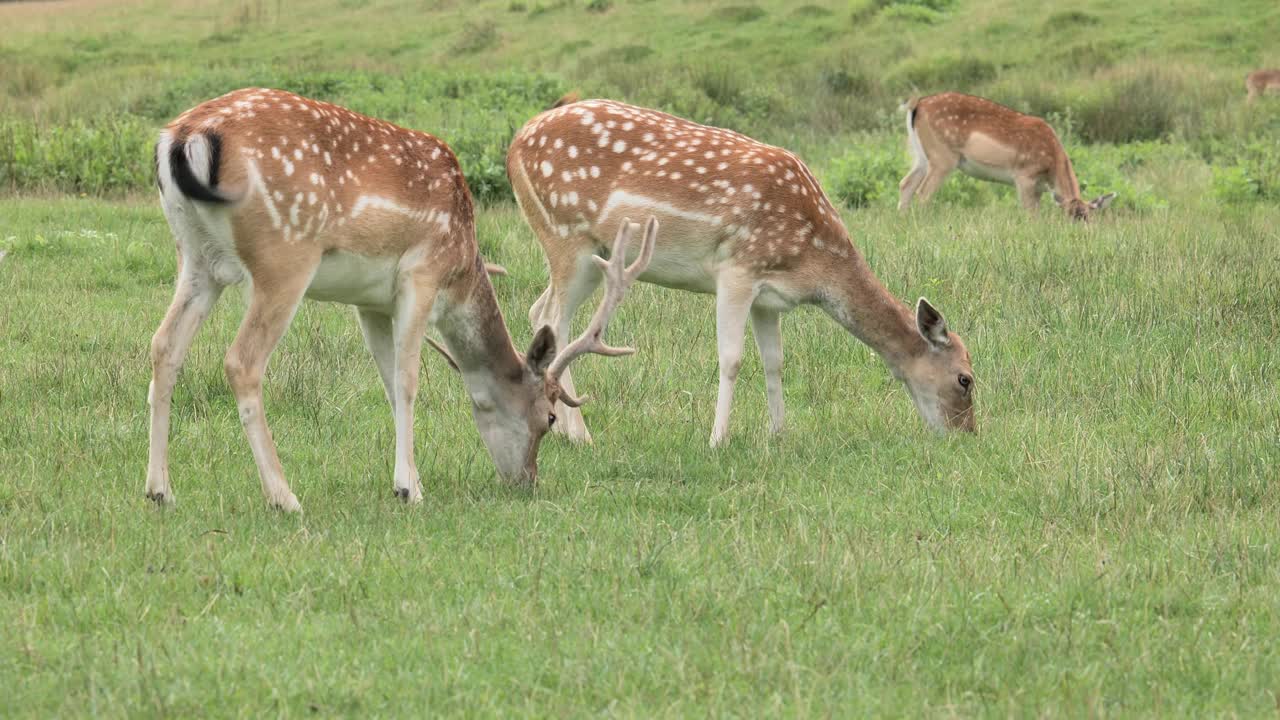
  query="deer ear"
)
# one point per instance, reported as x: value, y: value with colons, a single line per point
x: 542, y: 351
x: 931, y: 325
x: 1102, y: 202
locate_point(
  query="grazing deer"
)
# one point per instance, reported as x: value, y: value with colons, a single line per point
x: 1261, y: 82
x: 741, y: 219
x: 308, y: 199
x: 989, y: 141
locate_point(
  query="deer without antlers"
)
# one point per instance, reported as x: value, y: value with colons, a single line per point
x: 308, y: 199
x: 1261, y: 82
x: 743, y: 220
x: 989, y: 141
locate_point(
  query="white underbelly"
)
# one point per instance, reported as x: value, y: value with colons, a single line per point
x: 985, y: 172
x: 676, y: 273
x: 355, y: 280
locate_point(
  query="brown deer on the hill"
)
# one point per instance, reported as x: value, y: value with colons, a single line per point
x: 307, y: 199
x: 1261, y: 82
x: 989, y: 141
x: 741, y: 219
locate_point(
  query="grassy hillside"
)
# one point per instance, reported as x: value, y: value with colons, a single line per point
x: 95, y: 79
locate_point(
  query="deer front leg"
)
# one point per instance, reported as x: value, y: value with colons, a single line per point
x: 413, y: 308
x: 766, y: 325
x: 193, y: 298
x: 734, y: 293
x: 567, y: 294
x: 271, y: 309
x: 1028, y: 194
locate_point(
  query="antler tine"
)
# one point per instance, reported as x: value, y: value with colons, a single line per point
x: 618, y: 277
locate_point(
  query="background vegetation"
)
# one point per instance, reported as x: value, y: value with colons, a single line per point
x: 1105, y: 546
x: 87, y: 84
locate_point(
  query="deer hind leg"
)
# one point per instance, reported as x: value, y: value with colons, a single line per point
x: 910, y: 183
x: 733, y: 302
x: 919, y: 169
x: 193, y: 298
x: 274, y: 300
x: 939, y: 169
x: 572, y: 283
x: 413, y: 308
x: 766, y: 325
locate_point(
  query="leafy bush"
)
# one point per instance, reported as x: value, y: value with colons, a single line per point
x: 839, y: 81
x: 1146, y: 103
x: 917, y: 14
x: 1247, y: 170
x: 811, y: 11
x: 944, y: 72
x: 108, y: 156
x: 867, y: 175
x: 1065, y: 19
x: 632, y: 53
x: 739, y: 13
x: 1112, y: 168
x: 476, y: 115
x: 1233, y: 185
x: 476, y: 36
x: 926, y: 11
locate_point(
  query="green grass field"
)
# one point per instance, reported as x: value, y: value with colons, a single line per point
x: 1104, y: 546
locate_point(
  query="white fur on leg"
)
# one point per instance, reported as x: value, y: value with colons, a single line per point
x: 586, y: 279
x: 733, y: 299
x: 766, y: 325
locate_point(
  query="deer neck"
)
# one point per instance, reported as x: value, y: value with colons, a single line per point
x: 1066, y: 188
x: 477, y: 337
x: 861, y: 304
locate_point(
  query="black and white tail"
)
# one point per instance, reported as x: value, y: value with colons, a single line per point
x: 190, y: 166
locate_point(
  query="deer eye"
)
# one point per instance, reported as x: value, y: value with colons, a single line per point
x: 551, y: 419
x: 965, y: 382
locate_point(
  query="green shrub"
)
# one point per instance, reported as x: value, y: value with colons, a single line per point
x: 1233, y: 185
x: 944, y: 72
x: 1147, y: 103
x: 739, y: 13
x: 811, y: 11
x: 917, y: 14
x: 1247, y: 170
x: 476, y: 115
x: 632, y: 53
x: 868, y: 174
x: 1111, y: 168
x: 476, y: 36
x: 112, y: 155
x: 839, y: 81
x: 1067, y: 19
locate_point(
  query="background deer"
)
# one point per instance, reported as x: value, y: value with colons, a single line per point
x: 305, y: 198
x: 742, y: 220
x: 1261, y: 82
x: 989, y: 141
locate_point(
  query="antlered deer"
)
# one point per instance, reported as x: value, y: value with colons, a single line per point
x: 308, y: 199
x: 989, y: 141
x: 741, y: 219
x: 1261, y: 82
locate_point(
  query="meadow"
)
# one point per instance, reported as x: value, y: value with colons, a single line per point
x: 1104, y: 546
